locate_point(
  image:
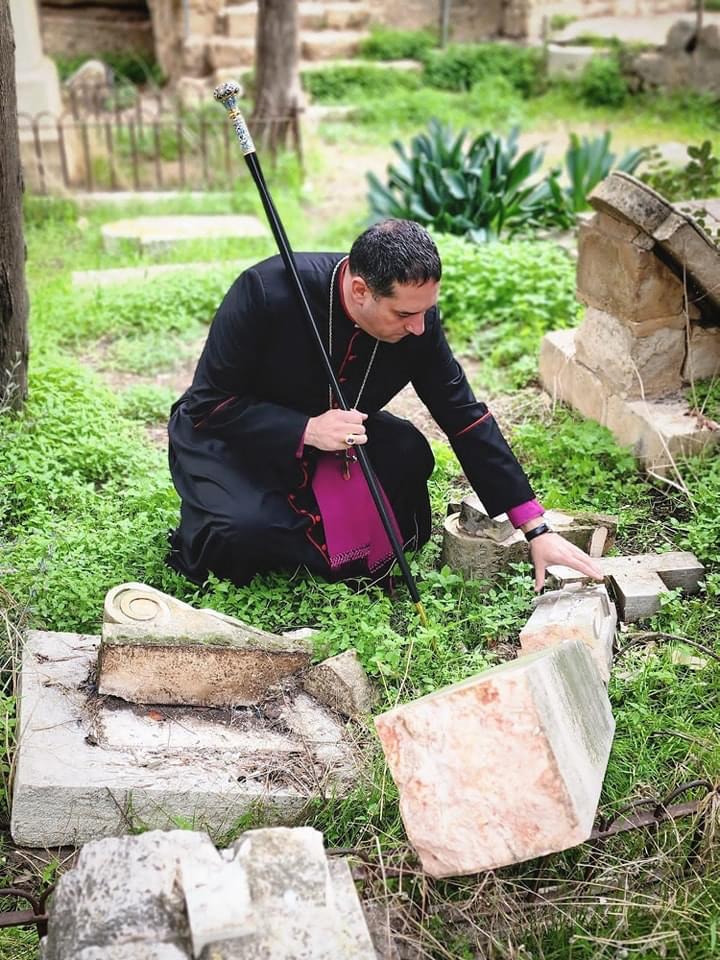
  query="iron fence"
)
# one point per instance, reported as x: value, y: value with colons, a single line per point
x: 123, y: 139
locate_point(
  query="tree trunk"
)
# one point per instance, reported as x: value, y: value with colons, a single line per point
x: 13, y: 294
x: 277, y: 79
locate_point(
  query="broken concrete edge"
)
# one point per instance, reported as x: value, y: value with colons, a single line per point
x: 341, y: 683
x: 119, y: 634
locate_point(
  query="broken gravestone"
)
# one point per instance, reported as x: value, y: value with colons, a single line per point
x: 480, y: 547
x: 577, y: 612
x: 637, y: 583
x: 647, y: 273
x: 505, y: 766
x: 156, y: 649
x: 173, y: 896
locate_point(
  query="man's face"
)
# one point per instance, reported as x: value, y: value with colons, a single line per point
x: 394, y: 317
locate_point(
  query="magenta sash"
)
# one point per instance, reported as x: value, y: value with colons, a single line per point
x: 353, y: 528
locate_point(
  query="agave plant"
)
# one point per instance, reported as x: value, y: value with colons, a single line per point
x: 587, y: 162
x: 480, y: 191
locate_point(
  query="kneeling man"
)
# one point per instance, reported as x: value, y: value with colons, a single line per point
x: 264, y: 460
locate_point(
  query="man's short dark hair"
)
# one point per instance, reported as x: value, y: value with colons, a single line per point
x: 394, y: 251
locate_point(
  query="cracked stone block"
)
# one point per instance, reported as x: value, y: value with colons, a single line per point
x: 341, y: 683
x: 631, y: 367
x: 155, y: 234
x: 217, y: 898
x: 504, y: 766
x: 89, y: 766
x: 483, y: 555
x: 618, y: 273
x: 130, y: 951
x: 584, y: 614
x: 305, y: 907
x: 173, y: 896
x: 638, y: 582
x: 703, y: 354
x: 156, y: 649
x: 657, y: 431
x: 122, y: 890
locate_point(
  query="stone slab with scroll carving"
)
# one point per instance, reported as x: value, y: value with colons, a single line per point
x: 156, y: 649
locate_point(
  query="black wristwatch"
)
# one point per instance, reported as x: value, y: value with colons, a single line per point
x: 537, y: 531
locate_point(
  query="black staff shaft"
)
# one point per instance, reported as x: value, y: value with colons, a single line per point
x: 226, y: 95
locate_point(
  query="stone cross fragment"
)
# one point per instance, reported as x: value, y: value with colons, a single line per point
x: 638, y: 582
x: 156, y: 649
x: 504, y: 766
x: 582, y: 613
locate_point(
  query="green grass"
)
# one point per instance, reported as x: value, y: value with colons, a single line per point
x: 85, y: 503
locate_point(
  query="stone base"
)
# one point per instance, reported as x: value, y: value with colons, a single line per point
x: 157, y: 234
x: 658, y: 432
x: 90, y: 767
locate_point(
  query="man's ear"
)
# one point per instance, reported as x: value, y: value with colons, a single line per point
x: 359, y: 288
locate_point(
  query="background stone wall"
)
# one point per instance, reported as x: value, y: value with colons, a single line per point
x: 71, y: 27
x: 160, y: 27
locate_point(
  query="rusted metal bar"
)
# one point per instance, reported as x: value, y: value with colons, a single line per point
x: 87, y: 157
x: 36, y: 916
x: 62, y: 150
x: 158, y: 158
x: 134, y: 155
x: 39, y: 155
x: 621, y: 822
x: 111, y: 154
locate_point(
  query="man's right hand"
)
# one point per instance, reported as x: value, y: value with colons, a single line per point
x: 336, y: 430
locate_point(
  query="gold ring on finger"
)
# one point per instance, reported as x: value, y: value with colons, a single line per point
x: 350, y: 440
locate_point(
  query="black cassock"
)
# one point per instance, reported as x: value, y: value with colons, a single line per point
x: 235, y: 436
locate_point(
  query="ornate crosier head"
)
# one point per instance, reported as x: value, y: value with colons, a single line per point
x: 227, y: 94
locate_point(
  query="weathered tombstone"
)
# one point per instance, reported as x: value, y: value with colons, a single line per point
x: 647, y: 273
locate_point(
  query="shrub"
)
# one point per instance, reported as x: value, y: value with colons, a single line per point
x: 460, y: 66
x: 481, y: 191
x: 602, y: 83
x: 699, y: 178
x: 147, y: 402
x: 384, y: 43
x: 347, y: 82
x: 587, y: 162
x: 174, y: 304
x: 85, y: 502
x: 500, y: 298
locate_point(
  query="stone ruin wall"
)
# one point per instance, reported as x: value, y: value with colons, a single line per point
x: 75, y: 27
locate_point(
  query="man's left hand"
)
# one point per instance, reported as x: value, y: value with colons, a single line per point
x: 551, y: 548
